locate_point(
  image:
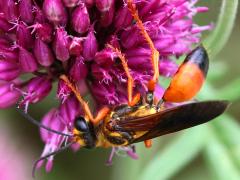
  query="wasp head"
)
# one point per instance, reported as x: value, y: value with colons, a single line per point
x: 84, y: 132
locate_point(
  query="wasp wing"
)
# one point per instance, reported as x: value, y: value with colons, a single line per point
x: 173, y: 119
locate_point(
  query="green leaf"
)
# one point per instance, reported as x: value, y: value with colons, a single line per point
x: 214, y: 75
x: 231, y: 91
x: 219, y: 161
x: 216, y: 41
x: 229, y: 131
x: 176, y: 155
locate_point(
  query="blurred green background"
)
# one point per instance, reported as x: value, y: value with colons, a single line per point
x: 206, y: 152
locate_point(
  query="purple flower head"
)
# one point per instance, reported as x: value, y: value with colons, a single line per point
x: 49, y: 38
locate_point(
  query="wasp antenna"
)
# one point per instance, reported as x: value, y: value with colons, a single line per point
x: 32, y: 120
x: 48, y: 155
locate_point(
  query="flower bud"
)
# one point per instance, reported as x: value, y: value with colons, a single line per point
x: 10, y: 10
x: 24, y: 37
x: 27, y: 61
x: 167, y: 67
x: 71, y: 3
x: 43, y: 53
x: 55, y: 11
x: 114, y: 41
x: 44, y: 31
x: 25, y: 11
x: 4, y: 43
x: 8, y: 55
x: 4, y: 24
x: 104, y: 5
x: 89, y: 3
x: 105, y: 57
x: 9, y: 70
x: 123, y: 18
x: 90, y: 46
x: 69, y: 110
x: 75, y: 47
x: 130, y: 37
x: 107, y: 17
x: 8, y: 95
x: 139, y: 58
x: 37, y: 89
x: 47, y: 120
x: 80, y: 19
x: 61, y: 44
x: 105, y: 94
x: 39, y: 15
x: 78, y: 70
x: 63, y: 91
x: 101, y: 74
x: 52, y: 141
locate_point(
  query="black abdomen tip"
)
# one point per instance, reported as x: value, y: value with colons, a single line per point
x: 199, y: 56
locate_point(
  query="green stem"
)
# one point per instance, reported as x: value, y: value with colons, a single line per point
x: 223, y: 29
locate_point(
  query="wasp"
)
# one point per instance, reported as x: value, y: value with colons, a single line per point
x: 143, y: 118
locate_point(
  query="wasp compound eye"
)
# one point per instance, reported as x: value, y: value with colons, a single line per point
x: 80, y: 124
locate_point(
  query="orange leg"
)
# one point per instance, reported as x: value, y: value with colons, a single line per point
x: 154, y: 52
x: 100, y: 115
x: 148, y: 143
x: 132, y: 100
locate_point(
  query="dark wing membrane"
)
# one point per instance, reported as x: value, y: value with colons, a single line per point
x: 174, y: 119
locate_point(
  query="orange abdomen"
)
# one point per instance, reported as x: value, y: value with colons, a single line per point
x: 189, y: 78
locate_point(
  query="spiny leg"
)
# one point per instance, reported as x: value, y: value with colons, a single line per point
x: 132, y: 100
x: 154, y: 56
x: 154, y: 51
x: 100, y: 115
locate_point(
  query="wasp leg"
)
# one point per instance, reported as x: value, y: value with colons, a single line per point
x: 120, y: 138
x: 154, y: 51
x: 154, y: 56
x: 132, y: 100
x: 159, y: 104
x: 124, y: 109
x: 100, y: 115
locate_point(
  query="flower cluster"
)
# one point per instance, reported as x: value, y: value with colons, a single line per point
x: 47, y: 38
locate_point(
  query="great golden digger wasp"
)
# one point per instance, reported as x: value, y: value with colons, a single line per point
x: 143, y: 118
